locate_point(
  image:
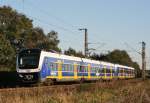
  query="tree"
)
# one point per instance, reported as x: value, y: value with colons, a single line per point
x: 70, y: 52
x: 7, y: 54
x: 73, y: 52
x: 12, y: 23
x: 17, y: 31
x: 33, y: 38
x: 11, y: 26
x: 52, y: 41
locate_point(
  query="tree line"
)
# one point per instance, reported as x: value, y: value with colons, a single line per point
x: 17, y: 32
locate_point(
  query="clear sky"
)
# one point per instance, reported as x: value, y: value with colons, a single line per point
x: 113, y: 23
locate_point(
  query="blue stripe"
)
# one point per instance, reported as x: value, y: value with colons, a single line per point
x: 108, y: 74
x: 82, y: 74
x: 93, y: 74
x: 102, y: 74
x: 67, y: 73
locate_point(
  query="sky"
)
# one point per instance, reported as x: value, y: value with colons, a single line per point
x: 111, y: 24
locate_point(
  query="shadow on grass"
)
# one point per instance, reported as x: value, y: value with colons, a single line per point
x: 8, y: 79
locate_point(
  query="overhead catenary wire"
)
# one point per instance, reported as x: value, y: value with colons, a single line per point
x: 51, y: 15
x: 51, y: 24
x: 132, y: 48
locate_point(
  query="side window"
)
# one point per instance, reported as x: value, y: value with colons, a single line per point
x: 108, y: 70
x: 83, y: 69
x: 97, y: 70
x: 120, y: 70
x: 78, y: 68
x: 71, y: 67
x: 63, y: 67
x: 53, y: 66
x: 103, y: 70
x: 113, y: 71
x: 67, y: 67
x: 92, y: 70
x: 86, y: 68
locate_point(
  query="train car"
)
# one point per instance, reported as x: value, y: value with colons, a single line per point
x: 92, y: 69
x: 35, y: 65
x: 124, y: 72
x: 108, y: 70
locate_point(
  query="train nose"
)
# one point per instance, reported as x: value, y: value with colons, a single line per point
x: 29, y: 77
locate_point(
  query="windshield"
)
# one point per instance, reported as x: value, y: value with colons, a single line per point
x: 28, y: 61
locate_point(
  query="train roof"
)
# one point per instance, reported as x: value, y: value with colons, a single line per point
x: 53, y: 55
x: 70, y: 57
x: 62, y: 56
x: 106, y: 63
x: 90, y: 61
x: 122, y: 66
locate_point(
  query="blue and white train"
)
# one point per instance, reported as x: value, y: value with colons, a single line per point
x: 35, y: 65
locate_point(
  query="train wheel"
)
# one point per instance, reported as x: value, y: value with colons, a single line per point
x: 81, y: 80
x: 49, y: 82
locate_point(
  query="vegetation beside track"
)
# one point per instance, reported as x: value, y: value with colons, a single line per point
x: 126, y: 91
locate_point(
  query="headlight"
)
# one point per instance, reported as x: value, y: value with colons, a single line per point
x: 20, y: 75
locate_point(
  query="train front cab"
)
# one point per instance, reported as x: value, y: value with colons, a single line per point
x: 27, y: 65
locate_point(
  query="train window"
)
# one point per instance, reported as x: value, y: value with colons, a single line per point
x: 99, y: 70
x: 129, y: 71
x: 67, y: 67
x: 96, y: 69
x: 103, y: 70
x: 121, y: 70
x: 71, y: 67
x: 83, y: 69
x: 78, y: 68
x: 53, y: 66
x: 86, y: 67
x: 92, y: 69
x: 113, y: 71
x: 63, y: 67
x: 125, y: 70
x: 108, y: 71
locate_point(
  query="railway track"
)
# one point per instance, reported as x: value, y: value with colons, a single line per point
x: 70, y: 85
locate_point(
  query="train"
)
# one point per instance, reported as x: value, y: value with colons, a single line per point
x: 39, y: 66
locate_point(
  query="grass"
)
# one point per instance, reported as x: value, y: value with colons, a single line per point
x: 126, y: 91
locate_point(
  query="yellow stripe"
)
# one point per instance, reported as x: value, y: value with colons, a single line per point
x: 111, y: 71
x: 105, y: 71
x: 52, y: 77
x: 89, y: 76
x: 59, y: 70
x: 75, y: 71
